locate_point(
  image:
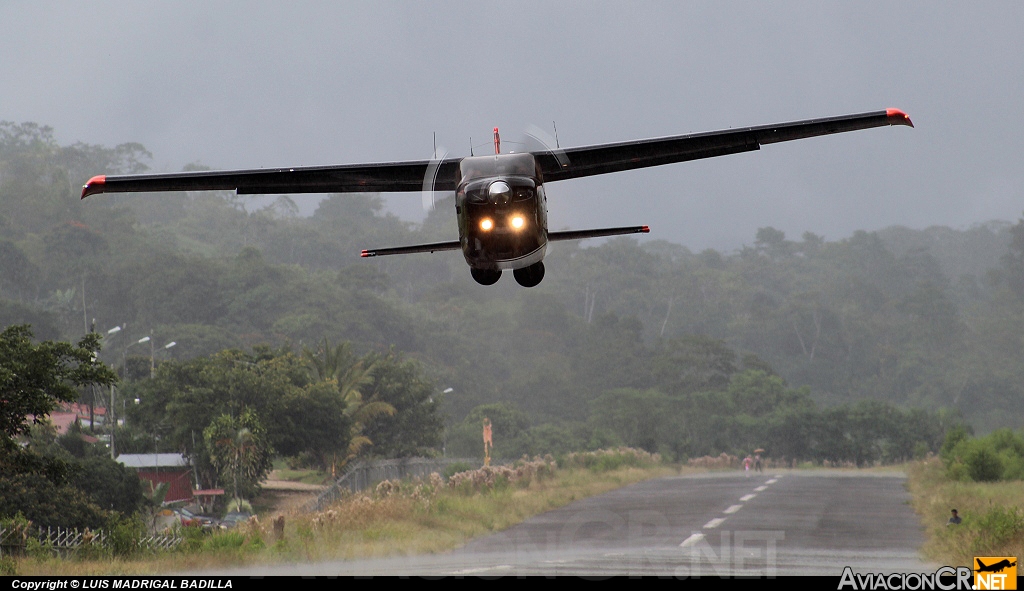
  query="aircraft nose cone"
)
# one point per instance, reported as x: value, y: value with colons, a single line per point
x: 499, y: 193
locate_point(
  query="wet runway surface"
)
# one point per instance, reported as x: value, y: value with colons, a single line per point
x: 708, y: 525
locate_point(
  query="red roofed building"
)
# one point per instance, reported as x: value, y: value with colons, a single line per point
x: 157, y: 468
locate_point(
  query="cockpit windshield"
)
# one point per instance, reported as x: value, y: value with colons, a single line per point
x: 499, y: 165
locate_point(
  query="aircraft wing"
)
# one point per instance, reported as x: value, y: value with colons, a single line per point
x: 351, y: 178
x: 434, y: 247
x: 441, y: 175
x: 558, y: 165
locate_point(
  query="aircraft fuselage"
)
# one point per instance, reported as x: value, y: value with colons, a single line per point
x: 502, y: 211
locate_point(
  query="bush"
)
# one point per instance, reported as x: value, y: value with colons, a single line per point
x: 125, y: 534
x: 997, y: 528
x: 1013, y: 465
x: 997, y: 456
x: 18, y: 528
x: 983, y: 463
x: 232, y: 540
x: 455, y: 468
x: 957, y: 472
x: 193, y: 537
x: 954, y: 437
x: 611, y: 459
x: 240, y: 506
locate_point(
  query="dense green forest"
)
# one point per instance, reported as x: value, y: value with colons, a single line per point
x: 859, y: 349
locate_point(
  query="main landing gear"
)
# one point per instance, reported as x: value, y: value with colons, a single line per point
x: 530, y: 276
x: 485, y: 276
x: 527, y: 276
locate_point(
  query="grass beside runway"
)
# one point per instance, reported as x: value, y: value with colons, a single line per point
x: 404, y: 522
x: 992, y: 514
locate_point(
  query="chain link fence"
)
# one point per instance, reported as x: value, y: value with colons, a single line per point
x: 364, y: 475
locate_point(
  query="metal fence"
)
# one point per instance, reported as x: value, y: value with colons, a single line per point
x: 363, y: 475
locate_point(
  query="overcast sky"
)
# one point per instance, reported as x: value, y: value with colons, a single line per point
x: 249, y: 84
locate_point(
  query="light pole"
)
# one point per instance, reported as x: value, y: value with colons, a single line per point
x: 444, y: 434
x: 152, y: 357
x: 124, y: 356
x: 110, y: 414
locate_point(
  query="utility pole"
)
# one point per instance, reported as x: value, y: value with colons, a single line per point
x: 113, y: 423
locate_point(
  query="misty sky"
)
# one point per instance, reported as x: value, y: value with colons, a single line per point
x: 248, y: 84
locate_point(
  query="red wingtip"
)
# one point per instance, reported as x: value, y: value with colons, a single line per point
x: 95, y: 185
x: 364, y: 254
x: 645, y: 229
x: 898, y: 117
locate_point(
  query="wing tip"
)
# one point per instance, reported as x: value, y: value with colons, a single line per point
x: 898, y: 117
x: 365, y: 254
x: 645, y: 229
x: 94, y: 185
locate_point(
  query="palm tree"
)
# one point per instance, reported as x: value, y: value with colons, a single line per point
x: 238, y: 446
x: 352, y: 377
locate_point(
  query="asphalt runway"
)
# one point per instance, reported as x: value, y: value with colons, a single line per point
x: 709, y: 525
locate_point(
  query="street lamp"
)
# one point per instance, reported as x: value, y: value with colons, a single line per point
x: 444, y: 434
x: 110, y: 412
x: 152, y: 357
x: 124, y: 356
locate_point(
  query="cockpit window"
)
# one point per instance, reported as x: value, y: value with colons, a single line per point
x: 500, y: 165
x: 499, y: 191
x: 523, y: 194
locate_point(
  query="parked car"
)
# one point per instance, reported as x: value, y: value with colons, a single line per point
x: 234, y: 519
x: 191, y: 519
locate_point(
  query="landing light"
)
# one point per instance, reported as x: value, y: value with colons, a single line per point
x: 517, y: 222
x: 486, y: 224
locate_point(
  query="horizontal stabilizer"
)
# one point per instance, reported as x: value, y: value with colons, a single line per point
x: 376, y: 252
x: 578, y: 234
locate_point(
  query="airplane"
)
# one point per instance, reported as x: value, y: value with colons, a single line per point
x: 500, y: 201
x: 994, y: 568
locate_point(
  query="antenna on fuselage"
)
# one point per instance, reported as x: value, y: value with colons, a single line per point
x: 497, y: 142
x: 556, y: 135
x: 471, y: 145
x: 435, y: 145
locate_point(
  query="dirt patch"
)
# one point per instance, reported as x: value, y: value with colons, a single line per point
x: 285, y: 496
x: 279, y: 502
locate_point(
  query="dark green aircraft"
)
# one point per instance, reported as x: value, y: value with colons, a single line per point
x: 499, y: 199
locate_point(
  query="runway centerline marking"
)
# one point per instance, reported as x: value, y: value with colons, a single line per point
x: 746, y: 498
x: 761, y: 488
x: 733, y: 509
x: 717, y: 521
x: 772, y: 481
x: 693, y: 539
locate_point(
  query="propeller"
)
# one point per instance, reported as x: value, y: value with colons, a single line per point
x: 546, y: 142
x: 428, y: 194
x: 535, y: 140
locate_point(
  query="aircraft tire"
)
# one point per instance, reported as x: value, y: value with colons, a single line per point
x: 530, y: 276
x: 485, y: 276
